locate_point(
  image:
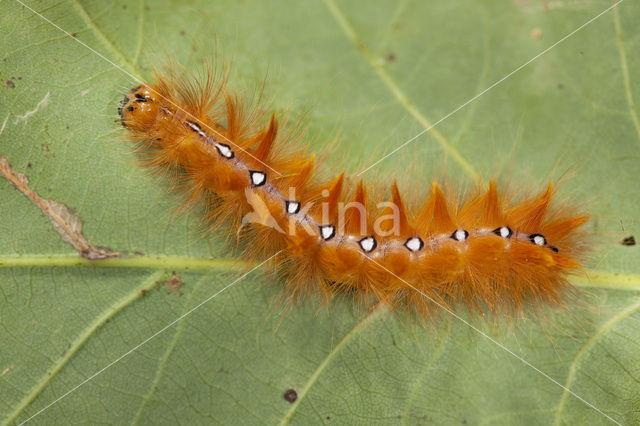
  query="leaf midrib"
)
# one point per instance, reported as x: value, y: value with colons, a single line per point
x: 589, y: 278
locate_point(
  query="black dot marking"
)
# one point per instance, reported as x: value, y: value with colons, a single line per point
x: 140, y: 98
x: 327, y: 232
x: 503, y: 231
x: 123, y: 102
x: 554, y: 249
x: 538, y: 239
x: 290, y: 395
x: 135, y: 89
x: 257, y: 178
x: 224, y: 150
x: 629, y: 241
x: 293, y: 207
x: 130, y: 108
x: 460, y: 235
x: 368, y: 244
x: 414, y: 244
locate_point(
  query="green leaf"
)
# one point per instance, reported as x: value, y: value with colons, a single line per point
x: 104, y: 341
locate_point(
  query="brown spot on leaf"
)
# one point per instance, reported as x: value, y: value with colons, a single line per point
x: 629, y: 241
x: 11, y: 84
x: 290, y: 395
x: 64, y: 221
x: 174, y: 283
x: 535, y: 33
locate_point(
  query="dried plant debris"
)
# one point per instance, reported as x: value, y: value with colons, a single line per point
x: 64, y: 221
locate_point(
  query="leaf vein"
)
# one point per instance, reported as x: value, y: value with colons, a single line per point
x: 626, y: 80
x: 398, y: 93
x: 328, y: 358
x: 103, y: 38
x: 80, y: 341
x: 573, y: 367
x: 167, y: 353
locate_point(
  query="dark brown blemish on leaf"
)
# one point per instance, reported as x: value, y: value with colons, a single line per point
x: 11, y: 84
x: 629, y: 241
x: 290, y: 395
x: 66, y: 223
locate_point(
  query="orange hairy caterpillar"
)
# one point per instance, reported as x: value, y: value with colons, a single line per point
x: 488, y: 251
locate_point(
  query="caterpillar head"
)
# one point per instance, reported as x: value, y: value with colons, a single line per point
x: 139, y: 108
